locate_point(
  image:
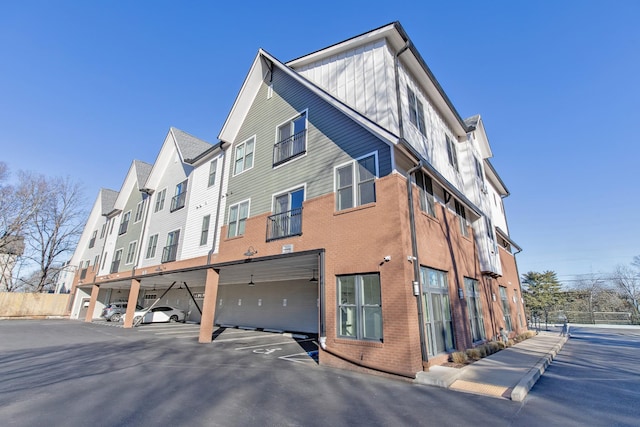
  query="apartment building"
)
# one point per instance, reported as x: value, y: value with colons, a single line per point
x: 346, y: 198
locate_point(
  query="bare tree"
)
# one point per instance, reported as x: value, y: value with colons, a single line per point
x: 627, y: 281
x: 54, y: 229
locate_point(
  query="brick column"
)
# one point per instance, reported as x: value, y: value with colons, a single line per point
x: 209, y: 306
x: 131, y: 303
x: 95, y: 289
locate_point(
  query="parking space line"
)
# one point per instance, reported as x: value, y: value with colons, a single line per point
x: 271, y: 343
x: 244, y: 338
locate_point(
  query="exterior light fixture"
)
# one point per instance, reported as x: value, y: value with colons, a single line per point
x: 251, y: 281
x: 250, y: 252
x: 314, y: 279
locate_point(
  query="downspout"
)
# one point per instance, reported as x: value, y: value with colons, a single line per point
x: 524, y: 311
x: 417, y: 282
x: 144, y: 225
x: 215, y: 230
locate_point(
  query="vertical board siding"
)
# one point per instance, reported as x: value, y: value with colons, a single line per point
x: 332, y: 139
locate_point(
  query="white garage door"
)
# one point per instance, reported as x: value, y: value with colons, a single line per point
x: 288, y: 306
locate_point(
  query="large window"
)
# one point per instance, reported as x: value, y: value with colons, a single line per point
x: 238, y: 215
x: 462, y: 218
x: 160, y: 200
x: 151, y: 247
x: 355, y: 182
x: 437, y: 311
x: 506, y: 310
x: 359, y: 307
x: 115, y: 264
x: 92, y: 242
x: 124, y: 225
x: 170, y: 251
x: 204, y: 233
x: 244, y: 156
x: 452, y: 154
x: 213, y: 169
x: 139, y: 211
x: 416, y: 112
x: 474, y: 306
x: 179, y: 199
x: 291, y: 139
x: 427, y: 201
x: 131, y: 252
x: 287, y: 220
x: 103, y: 230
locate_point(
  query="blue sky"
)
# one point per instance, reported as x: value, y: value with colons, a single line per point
x: 88, y: 86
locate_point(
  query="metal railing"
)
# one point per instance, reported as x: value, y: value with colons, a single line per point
x: 178, y: 201
x: 289, y: 148
x: 169, y: 253
x: 284, y: 224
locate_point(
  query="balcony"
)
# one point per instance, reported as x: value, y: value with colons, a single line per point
x: 284, y: 224
x: 289, y: 148
x: 178, y: 201
x: 169, y: 253
x: 115, y: 266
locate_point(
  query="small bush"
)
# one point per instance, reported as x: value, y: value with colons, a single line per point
x: 473, y: 353
x: 494, y: 347
x: 458, y: 357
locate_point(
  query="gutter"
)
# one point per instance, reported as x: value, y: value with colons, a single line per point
x: 217, y: 224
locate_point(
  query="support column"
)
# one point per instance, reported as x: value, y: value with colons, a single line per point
x: 131, y: 303
x: 95, y: 289
x: 209, y: 306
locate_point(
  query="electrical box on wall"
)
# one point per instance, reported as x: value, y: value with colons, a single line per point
x: 287, y: 249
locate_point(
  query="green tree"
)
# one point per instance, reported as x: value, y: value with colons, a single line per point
x: 543, y: 293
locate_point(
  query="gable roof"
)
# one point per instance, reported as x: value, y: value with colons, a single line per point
x: 142, y: 172
x: 189, y: 146
x: 107, y: 200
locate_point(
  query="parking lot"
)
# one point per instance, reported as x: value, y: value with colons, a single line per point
x: 285, y: 346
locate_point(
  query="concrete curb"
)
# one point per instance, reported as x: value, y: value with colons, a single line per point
x: 521, y: 390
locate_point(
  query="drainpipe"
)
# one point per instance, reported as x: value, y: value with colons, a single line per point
x: 417, y: 281
x: 215, y: 230
x: 396, y: 61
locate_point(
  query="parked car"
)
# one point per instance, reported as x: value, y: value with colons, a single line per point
x: 161, y: 313
x: 114, y: 311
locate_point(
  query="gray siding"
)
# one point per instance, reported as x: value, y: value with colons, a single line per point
x: 133, y: 231
x: 332, y: 139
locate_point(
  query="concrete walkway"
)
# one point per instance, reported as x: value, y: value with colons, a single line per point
x: 508, y: 374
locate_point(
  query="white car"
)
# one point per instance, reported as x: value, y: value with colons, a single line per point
x: 161, y: 313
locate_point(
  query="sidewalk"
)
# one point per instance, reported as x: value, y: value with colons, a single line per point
x: 509, y: 373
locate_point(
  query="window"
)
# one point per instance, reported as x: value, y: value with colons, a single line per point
x: 92, y: 242
x: 213, y: 168
x: 427, y: 201
x: 437, y: 311
x: 113, y: 221
x: 104, y: 260
x: 355, y: 182
x: 139, y: 211
x: 416, y: 112
x: 178, y: 201
x: 287, y: 220
x: 360, y: 307
x: 96, y: 262
x: 238, y: 215
x: 452, y: 154
x: 170, y: 251
x: 204, y: 234
x: 506, y: 310
x: 151, y: 247
x: 104, y: 229
x: 291, y: 139
x: 131, y: 252
x: 160, y: 200
x: 244, y: 156
x: 474, y: 306
x: 462, y: 218
x: 115, y: 264
x: 124, y: 224
x: 478, y: 169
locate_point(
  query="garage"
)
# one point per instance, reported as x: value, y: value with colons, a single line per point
x: 274, y: 293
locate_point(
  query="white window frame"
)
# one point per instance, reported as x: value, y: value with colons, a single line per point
x: 204, y: 232
x: 304, y: 113
x: 452, y: 153
x: 358, y: 307
x: 159, y: 205
x: 152, y: 245
x: 416, y: 111
x: 234, y: 160
x: 354, y: 180
x: 139, y: 211
x: 213, y: 171
x: 126, y: 219
x: 461, y: 212
x: 238, y: 219
x: 131, y: 252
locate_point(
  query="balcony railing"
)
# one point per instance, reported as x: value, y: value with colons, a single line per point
x: 284, y: 224
x: 177, y: 202
x: 115, y: 265
x: 123, y: 227
x: 169, y: 253
x: 289, y: 148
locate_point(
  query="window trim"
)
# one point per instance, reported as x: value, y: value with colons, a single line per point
x: 359, y: 308
x: 477, y: 307
x: 213, y: 171
x: 248, y: 202
x: 244, y: 155
x: 427, y: 199
x: 354, y: 180
x: 131, y: 255
x: 150, y: 247
x: 416, y: 111
x: 204, y: 233
x: 159, y: 205
x: 124, y: 223
x: 139, y: 210
x: 452, y: 154
x: 277, y: 139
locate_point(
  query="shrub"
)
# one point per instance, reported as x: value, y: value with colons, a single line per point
x: 458, y: 357
x: 473, y: 353
x: 494, y: 347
